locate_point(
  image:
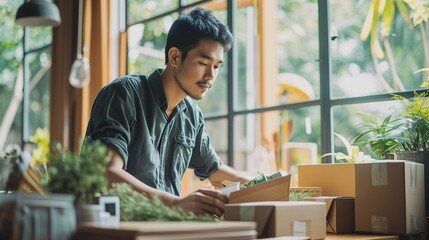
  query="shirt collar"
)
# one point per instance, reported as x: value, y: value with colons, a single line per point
x: 155, y: 82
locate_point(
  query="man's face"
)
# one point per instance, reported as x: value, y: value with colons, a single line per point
x: 199, y: 70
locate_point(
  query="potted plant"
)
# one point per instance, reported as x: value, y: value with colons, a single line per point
x: 406, y: 136
x: 353, y: 152
x: 82, y: 175
x: 383, y: 138
x: 79, y: 174
x: 405, y: 132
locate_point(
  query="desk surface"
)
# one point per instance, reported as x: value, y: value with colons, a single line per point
x: 331, y: 236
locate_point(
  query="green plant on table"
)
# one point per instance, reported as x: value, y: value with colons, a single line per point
x: 384, y: 137
x: 81, y: 175
x: 135, y: 206
x: 299, y: 195
x: 40, y: 155
x: 353, y: 154
x: 407, y: 131
x: 416, y: 133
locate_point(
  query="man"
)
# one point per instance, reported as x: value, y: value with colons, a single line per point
x: 154, y: 128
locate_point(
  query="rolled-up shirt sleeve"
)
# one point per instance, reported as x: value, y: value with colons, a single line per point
x: 112, y: 118
x: 205, y: 160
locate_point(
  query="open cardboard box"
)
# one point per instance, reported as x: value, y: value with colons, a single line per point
x: 276, y: 189
x: 280, y: 218
x: 340, y: 213
x: 336, y: 179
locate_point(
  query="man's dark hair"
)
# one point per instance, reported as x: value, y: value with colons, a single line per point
x: 189, y: 28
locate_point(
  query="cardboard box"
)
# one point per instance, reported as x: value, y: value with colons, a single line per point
x: 273, y: 190
x: 280, y: 218
x: 340, y: 213
x: 390, y: 197
x: 337, y: 179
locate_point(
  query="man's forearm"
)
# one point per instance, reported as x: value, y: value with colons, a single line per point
x: 116, y: 174
x: 226, y: 173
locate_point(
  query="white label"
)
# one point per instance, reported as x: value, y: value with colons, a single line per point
x: 379, y: 174
x: 299, y: 228
x: 380, y: 224
x: 413, y: 175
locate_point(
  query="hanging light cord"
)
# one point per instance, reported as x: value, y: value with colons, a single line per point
x: 79, y: 31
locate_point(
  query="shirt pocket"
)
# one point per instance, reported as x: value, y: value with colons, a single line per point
x: 183, y: 148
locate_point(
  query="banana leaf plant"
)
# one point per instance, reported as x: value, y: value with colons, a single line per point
x: 378, y: 25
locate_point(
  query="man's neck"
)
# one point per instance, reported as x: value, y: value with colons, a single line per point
x: 173, y: 93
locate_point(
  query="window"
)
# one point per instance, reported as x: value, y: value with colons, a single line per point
x: 25, y: 65
x: 299, y: 71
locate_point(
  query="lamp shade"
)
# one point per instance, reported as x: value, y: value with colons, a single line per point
x: 38, y: 13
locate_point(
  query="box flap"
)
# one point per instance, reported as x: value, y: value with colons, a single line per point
x: 331, y: 212
x: 263, y: 214
x: 260, y: 213
x: 328, y: 200
x: 273, y: 190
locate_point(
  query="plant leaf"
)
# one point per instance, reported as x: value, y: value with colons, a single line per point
x: 400, y: 5
x: 346, y: 143
x: 387, y: 18
x: 368, y: 24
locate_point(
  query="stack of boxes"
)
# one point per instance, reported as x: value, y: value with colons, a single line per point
x: 267, y: 204
x: 388, y: 195
x: 379, y: 197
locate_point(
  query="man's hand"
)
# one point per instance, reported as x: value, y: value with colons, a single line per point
x: 203, y: 201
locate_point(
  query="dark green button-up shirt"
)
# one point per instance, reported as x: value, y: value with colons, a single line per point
x: 129, y: 116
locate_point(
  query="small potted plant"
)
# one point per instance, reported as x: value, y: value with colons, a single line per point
x: 82, y: 175
x: 416, y: 133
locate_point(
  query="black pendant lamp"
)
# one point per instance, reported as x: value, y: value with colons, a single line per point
x: 38, y: 13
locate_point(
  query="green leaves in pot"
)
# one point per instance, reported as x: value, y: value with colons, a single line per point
x: 135, y: 206
x: 81, y: 175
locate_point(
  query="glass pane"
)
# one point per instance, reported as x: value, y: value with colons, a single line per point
x: 216, y: 99
x: 39, y: 37
x: 277, y: 53
x: 139, y: 10
x: 298, y: 50
x: 11, y: 55
x: 186, y: 2
x: 146, y: 43
x: 218, y: 130
x: 40, y: 67
x: 358, y: 72
x: 264, y: 142
x: 348, y: 120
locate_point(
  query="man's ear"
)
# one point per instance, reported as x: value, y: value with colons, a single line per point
x: 174, y: 56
